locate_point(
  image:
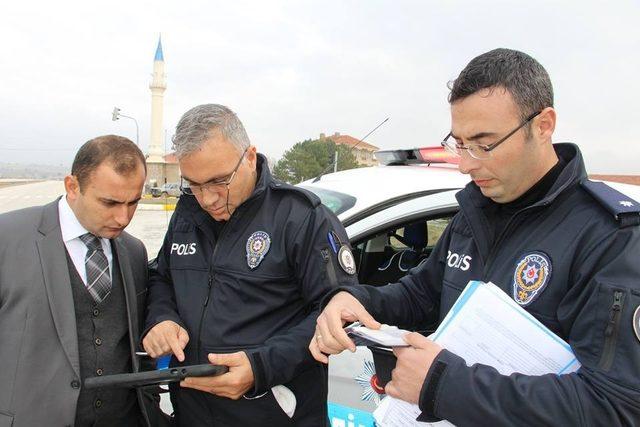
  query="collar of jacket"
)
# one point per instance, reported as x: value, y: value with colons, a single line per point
x: 189, y: 207
x: 51, y: 220
x: 472, y: 201
x: 573, y: 173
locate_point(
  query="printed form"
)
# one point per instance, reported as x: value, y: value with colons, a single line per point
x: 486, y: 326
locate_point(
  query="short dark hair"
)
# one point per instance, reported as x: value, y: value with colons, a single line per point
x: 526, y: 80
x: 123, y: 155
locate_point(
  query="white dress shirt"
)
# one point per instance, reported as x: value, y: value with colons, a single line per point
x: 71, y: 232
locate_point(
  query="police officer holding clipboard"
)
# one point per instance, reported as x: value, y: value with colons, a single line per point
x: 564, y: 248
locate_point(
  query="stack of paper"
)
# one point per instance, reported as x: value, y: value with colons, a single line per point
x: 486, y: 326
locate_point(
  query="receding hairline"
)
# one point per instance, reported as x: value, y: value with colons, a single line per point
x: 120, y: 153
x: 112, y: 164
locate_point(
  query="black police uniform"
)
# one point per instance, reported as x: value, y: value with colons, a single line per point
x: 570, y: 263
x: 253, y: 284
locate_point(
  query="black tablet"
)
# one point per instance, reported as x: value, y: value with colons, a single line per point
x: 162, y: 376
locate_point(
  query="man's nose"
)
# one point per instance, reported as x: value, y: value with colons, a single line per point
x: 467, y: 163
x: 122, y: 215
x: 209, y: 198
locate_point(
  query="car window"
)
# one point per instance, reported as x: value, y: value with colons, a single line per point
x: 435, y: 228
x: 336, y: 202
x: 390, y: 253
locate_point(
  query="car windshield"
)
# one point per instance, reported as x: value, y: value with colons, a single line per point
x: 335, y: 201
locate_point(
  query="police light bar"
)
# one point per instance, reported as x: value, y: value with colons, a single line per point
x: 415, y: 156
x: 438, y: 155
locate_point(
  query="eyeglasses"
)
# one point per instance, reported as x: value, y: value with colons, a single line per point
x: 213, y: 185
x: 480, y: 152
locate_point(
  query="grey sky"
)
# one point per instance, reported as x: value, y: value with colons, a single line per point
x: 294, y: 69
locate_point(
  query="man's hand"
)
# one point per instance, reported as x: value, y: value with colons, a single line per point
x: 165, y: 338
x: 233, y: 384
x: 412, y: 367
x: 329, y: 336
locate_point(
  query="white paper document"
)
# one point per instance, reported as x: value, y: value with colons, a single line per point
x: 486, y: 326
x: 398, y: 413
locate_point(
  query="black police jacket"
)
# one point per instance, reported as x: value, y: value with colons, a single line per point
x: 588, y: 295
x: 232, y: 295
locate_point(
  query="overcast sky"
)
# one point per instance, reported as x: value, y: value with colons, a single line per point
x: 292, y: 70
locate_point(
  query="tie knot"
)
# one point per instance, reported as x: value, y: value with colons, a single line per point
x: 92, y: 242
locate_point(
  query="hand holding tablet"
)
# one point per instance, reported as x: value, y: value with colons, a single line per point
x: 163, y: 376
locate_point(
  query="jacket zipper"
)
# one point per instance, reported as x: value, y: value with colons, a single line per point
x: 611, y: 331
x: 206, y: 300
x: 210, y: 288
x: 204, y: 309
x: 498, y: 241
x: 495, y: 246
x: 212, y: 275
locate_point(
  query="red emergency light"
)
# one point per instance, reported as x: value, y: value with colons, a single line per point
x: 415, y: 156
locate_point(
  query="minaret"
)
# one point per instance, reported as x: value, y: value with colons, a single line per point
x: 157, y: 86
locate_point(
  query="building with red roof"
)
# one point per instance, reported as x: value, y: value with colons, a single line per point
x: 363, y: 152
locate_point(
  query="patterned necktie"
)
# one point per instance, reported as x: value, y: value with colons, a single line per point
x: 97, y: 265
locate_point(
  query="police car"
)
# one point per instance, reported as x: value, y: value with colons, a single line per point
x: 393, y: 214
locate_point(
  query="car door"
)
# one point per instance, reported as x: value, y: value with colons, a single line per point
x: 386, y: 245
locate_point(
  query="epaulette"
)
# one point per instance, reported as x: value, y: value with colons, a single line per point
x: 308, y: 195
x: 624, y: 209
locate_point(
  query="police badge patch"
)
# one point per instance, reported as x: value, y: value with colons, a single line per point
x: 346, y: 260
x: 636, y: 322
x: 531, y: 277
x: 258, y: 245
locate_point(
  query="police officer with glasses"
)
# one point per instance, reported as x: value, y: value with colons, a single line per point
x: 566, y: 250
x: 238, y: 281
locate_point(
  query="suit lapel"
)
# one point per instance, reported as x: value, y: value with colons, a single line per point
x: 128, y: 284
x: 57, y: 283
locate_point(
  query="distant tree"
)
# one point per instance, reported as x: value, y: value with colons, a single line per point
x: 309, y: 158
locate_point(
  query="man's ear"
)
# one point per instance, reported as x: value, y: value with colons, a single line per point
x: 72, y: 187
x: 545, y: 124
x: 252, y: 156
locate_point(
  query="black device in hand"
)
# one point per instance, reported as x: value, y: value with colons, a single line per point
x: 384, y: 359
x: 162, y: 376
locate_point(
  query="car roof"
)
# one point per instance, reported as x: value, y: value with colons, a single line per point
x: 377, y: 184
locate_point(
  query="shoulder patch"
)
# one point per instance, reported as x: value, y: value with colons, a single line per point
x: 636, y: 322
x: 623, y: 208
x: 308, y: 195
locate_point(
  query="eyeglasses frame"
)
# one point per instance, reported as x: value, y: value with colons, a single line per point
x: 188, y: 190
x: 490, y: 147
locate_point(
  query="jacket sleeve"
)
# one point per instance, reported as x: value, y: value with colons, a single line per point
x: 599, y: 314
x: 316, y: 269
x: 161, y: 300
x: 413, y: 302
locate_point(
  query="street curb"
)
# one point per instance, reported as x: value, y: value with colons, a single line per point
x: 158, y: 207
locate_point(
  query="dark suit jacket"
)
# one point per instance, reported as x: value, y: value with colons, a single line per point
x: 39, y: 363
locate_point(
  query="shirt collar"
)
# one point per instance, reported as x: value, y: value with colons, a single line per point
x: 69, y: 224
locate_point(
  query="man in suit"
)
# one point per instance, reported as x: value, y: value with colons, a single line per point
x: 72, y: 297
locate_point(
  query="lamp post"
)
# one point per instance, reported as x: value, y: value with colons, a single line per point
x: 116, y: 114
